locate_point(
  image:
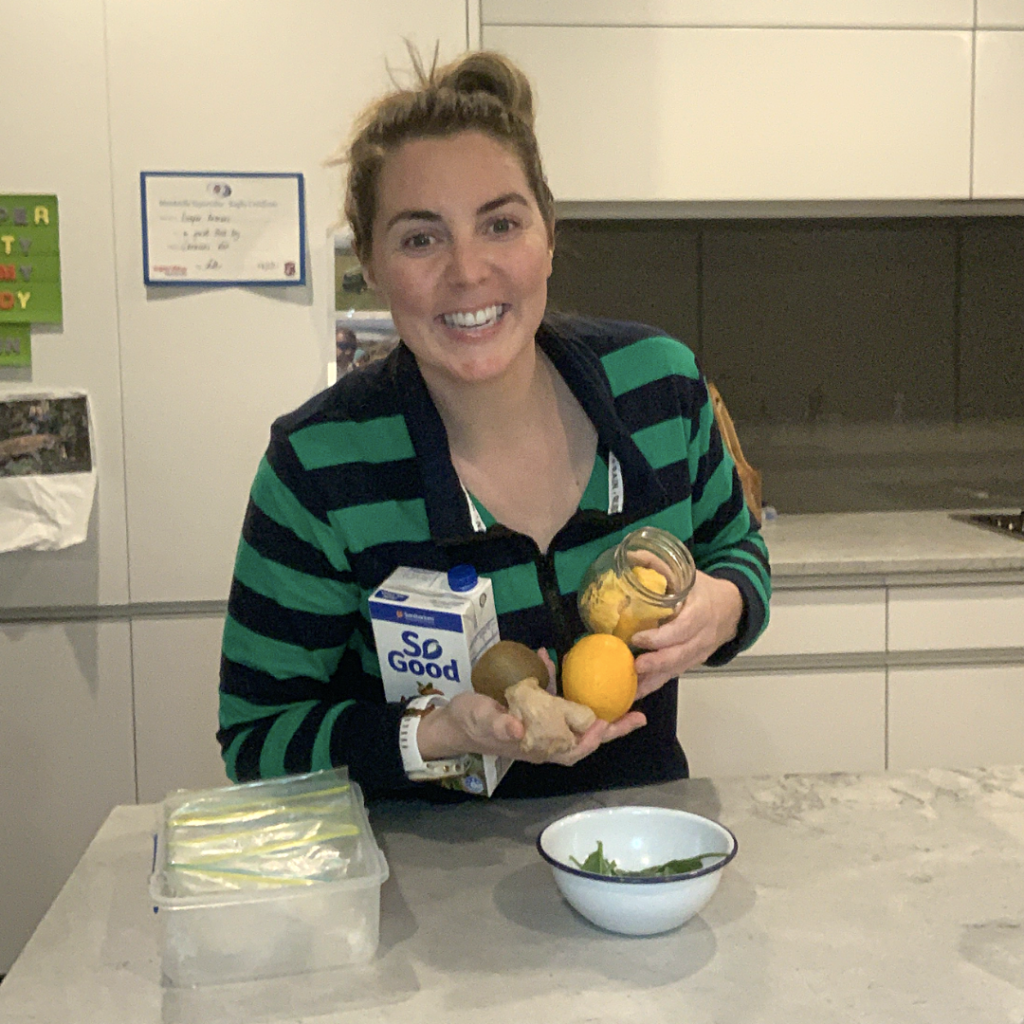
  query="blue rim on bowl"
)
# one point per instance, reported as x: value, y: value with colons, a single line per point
x: 634, y: 879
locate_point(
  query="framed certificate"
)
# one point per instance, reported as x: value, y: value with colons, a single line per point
x: 223, y: 228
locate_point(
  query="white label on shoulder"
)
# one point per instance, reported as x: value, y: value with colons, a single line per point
x: 615, y: 487
x: 474, y: 515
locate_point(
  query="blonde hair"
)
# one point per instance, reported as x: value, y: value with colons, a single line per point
x: 481, y: 91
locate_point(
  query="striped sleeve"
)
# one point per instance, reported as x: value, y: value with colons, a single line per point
x: 727, y: 542
x: 296, y: 694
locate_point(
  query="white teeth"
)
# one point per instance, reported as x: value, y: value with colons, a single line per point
x: 481, y: 318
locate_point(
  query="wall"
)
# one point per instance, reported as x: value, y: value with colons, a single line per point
x: 109, y: 649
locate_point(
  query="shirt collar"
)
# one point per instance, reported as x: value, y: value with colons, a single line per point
x: 446, y: 506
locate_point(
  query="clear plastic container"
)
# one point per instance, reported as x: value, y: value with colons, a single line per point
x: 266, y: 879
x: 639, y: 584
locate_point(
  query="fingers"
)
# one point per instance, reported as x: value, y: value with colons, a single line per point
x: 649, y: 684
x: 602, y: 732
x: 487, y: 727
x: 629, y: 722
x: 552, y: 686
x: 509, y: 729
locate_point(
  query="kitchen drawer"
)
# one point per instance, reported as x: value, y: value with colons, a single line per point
x: 827, y: 621
x: 956, y: 617
x: 956, y: 717
x: 734, y: 723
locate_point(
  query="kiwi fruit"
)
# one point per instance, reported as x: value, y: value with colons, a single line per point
x: 504, y: 664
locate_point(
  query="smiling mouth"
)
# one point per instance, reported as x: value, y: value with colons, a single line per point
x: 474, y: 320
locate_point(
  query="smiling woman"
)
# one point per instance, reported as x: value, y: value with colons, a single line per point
x: 462, y: 255
x: 492, y: 435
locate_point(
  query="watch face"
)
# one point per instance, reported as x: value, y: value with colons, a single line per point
x: 473, y: 784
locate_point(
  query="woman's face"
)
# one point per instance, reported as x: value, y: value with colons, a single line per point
x: 461, y: 253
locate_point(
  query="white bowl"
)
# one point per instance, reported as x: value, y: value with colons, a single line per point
x: 636, y: 838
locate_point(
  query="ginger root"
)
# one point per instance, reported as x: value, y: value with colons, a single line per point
x: 553, y: 724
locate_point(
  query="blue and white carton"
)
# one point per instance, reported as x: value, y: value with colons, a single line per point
x: 430, y: 629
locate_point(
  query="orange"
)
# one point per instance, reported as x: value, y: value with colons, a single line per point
x: 598, y: 671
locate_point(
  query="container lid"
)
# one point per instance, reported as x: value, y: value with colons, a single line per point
x: 336, y: 824
x: 462, y: 577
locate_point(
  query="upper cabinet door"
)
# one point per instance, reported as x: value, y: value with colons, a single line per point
x: 1000, y: 13
x: 748, y: 114
x: 744, y: 13
x: 999, y: 115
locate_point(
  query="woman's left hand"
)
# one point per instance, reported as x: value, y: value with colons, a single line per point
x: 708, y: 619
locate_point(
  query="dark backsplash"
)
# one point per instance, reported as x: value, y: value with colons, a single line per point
x: 869, y: 364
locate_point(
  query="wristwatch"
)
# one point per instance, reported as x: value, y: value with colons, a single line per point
x: 415, y: 767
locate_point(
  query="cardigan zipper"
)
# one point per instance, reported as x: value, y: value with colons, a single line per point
x: 548, y: 581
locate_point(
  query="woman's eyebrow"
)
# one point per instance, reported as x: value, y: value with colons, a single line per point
x: 412, y: 215
x: 508, y: 197
x: 432, y: 216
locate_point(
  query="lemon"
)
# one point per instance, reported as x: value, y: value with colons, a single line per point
x: 599, y: 672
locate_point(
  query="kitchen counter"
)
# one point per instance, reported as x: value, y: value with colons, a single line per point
x: 888, y: 545
x: 875, y: 898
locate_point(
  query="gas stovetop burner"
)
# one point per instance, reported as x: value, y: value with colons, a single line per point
x: 1008, y: 523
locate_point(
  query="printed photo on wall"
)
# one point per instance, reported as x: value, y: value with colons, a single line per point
x: 351, y: 290
x: 361, y: 339
x: 42, y: 436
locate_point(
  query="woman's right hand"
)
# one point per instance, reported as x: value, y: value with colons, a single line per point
x: 474, y: 723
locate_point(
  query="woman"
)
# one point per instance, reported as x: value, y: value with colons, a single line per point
x: 493, y: 436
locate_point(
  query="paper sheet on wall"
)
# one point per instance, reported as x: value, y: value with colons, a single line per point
x: 47, y: 474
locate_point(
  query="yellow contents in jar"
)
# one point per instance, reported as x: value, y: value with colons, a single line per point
x: 612, y: 609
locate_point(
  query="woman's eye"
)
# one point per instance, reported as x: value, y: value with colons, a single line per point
x: 502, y: 225
x: 420, y: 240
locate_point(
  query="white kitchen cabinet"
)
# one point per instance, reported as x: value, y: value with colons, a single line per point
x: 66, y: 750
x: 956, y: 717
x: 1000, y: 13
x: 964, y: 617
x: 674, y: 113
x: 737, y: 13
x: 176, y: 663
x: 999, y: 114
x: 837, y: 620
x: 741, y: 720
x: 735, y: 723
x: 738, y: 720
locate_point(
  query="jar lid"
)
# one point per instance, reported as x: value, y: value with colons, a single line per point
x: 462, y: 577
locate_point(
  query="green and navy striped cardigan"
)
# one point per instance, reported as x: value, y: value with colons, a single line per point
x: 359, y: 481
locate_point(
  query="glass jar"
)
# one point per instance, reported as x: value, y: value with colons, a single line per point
x: 639, y: 584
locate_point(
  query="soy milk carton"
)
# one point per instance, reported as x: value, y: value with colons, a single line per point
x: 430, y: 629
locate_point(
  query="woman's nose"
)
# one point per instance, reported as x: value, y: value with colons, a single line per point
x: 468, y: 264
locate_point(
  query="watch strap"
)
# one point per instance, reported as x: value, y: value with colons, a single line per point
x: 416, y: 768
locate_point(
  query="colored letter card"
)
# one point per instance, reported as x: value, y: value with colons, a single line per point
x: 15, y: 345
x: 223, y: 229
x: 29, y: 260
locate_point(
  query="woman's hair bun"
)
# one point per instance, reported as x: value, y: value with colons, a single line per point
x: 490, y: 72
x: 482, y: 91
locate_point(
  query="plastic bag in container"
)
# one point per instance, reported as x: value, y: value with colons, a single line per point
x: 291, y: 831
x: 266, y: 878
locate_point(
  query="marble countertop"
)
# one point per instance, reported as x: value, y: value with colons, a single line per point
x: 886, y: 544
x: 869, y: 898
